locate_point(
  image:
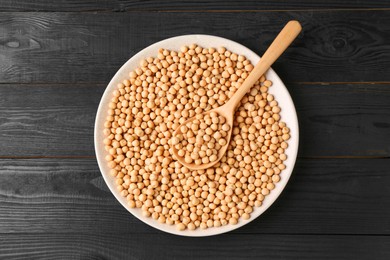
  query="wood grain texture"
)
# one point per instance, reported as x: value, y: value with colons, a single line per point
x: 90, y: 47
x: 48, y: 120
x: 324, y: 196
x: 343, y: 120
x: 57, y: 120
x: 162, y: 246
x: 136, y: 5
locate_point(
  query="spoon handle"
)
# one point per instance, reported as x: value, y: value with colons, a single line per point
x: 278, y: 46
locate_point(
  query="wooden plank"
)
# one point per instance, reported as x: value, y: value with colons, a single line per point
x: 57, y: 120
x: 90, y: 47
x: 48, y: 120
x: 162, y: 246
x: 324, y: 196
x: 133, y: 5
x: 343, y: 120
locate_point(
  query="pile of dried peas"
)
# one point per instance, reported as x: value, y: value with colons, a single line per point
x: 201, y: 139
x: 158, y: 97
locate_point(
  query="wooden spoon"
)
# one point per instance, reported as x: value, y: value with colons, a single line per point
x: 278, y: 46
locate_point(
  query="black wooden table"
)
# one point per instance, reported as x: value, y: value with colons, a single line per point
x: 56, y: 58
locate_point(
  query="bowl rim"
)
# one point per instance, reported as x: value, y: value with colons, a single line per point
x: 202, y: 40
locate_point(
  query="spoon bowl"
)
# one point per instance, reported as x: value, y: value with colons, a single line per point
x: 223, y: 111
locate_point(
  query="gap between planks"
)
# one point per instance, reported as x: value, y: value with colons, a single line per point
x: 265, y: 11
x: 232, y: 233
x: 206, y: 11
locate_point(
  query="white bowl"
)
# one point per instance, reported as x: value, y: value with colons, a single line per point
x: 288, y: 115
